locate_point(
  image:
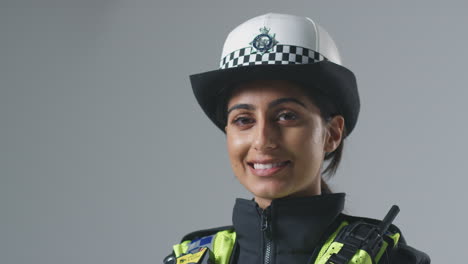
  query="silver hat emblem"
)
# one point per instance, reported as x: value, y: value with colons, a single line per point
x: 264, y: 42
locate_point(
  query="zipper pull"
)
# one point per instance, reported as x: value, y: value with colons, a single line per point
x: 265, y: 223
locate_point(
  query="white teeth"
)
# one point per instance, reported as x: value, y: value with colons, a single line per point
x: 259, y: 166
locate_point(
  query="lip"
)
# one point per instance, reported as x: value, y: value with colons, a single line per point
x: 270, y: 171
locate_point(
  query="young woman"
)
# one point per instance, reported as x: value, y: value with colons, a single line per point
x: 286, y: 105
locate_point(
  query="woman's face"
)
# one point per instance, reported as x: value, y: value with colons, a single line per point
x: 277, y: 140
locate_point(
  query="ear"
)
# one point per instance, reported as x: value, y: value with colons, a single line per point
x: 335, y: 129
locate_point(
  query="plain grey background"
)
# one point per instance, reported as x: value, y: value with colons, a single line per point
x: 107, y: 158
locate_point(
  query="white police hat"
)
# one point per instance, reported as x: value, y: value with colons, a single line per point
x: 279, y: 47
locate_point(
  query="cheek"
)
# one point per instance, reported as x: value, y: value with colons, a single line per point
x: 237, y: 147
x: 307, y: 144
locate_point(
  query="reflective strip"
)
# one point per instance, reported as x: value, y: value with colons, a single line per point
x: 333, y: 246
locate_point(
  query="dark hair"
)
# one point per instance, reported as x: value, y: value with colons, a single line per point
x: 333, y: 159
x: 327, y: 111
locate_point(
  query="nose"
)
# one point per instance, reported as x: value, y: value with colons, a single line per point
x: 265, y: 137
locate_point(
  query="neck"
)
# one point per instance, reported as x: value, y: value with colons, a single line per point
x: 264, y: 202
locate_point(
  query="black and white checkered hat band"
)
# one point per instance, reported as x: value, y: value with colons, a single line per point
x: 281, y: 54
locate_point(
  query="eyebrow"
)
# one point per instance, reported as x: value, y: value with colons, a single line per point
x: 241, y: 106
x: 270, y: 105
x: 285, y: 100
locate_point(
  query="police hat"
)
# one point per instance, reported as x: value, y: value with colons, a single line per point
x: 280, y: 47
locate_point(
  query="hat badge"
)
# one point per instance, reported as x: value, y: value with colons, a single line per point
x: 264, y: 41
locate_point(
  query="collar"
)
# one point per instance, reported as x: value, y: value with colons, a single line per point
x: 294, y: 225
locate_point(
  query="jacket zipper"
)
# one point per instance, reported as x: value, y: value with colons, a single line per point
x: 266, y: 229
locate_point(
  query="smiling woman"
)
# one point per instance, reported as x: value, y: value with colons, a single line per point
x: 277, y: 140
x: 286, y: 105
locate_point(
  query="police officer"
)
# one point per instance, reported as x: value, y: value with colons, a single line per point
x: 286, y: 104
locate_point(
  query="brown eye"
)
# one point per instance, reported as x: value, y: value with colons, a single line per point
x: 287, y: 116
x: 242, y: 121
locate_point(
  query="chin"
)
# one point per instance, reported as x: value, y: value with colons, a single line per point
x: 271, y: 191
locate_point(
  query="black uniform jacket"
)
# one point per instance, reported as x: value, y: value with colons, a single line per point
x: 293, y: 230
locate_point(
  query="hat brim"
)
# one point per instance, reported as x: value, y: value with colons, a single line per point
x: 334, y: 81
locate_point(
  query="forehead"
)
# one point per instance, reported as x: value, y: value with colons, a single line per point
x: 266, y: 90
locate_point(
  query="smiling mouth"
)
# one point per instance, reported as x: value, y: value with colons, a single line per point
x: 267, y: 169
